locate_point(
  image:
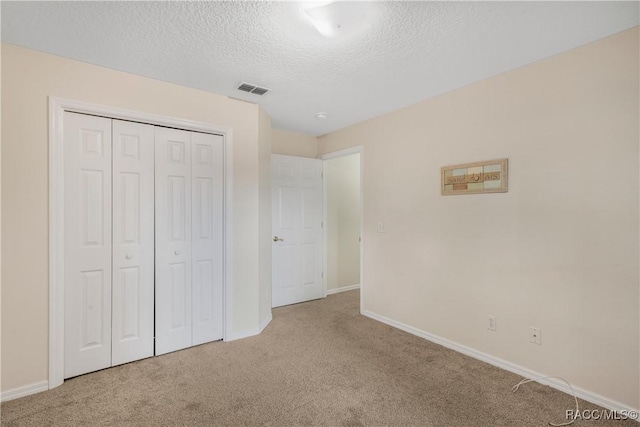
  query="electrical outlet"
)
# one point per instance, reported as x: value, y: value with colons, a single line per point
x: 381, y: 228
x: 491, y: 322
x: 535, y: 336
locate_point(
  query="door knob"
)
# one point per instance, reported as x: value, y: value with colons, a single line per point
x: 277, y: 239
x: 128, y: 256
x: 177, y: 252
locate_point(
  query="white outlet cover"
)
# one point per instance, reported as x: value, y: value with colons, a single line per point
x: 381, y: 228
x: 492, y: 324
x: 535, y: 336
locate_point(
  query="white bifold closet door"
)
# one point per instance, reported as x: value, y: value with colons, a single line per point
x: 207, y: 186
x: 87, y: 245
x: 189, y: 189
x: 133, y: 242
x: 109, y: 242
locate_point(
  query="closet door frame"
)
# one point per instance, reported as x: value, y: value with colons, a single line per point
x: 57, y: 107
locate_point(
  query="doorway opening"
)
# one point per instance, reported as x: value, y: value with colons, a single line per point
x: 343, y: 217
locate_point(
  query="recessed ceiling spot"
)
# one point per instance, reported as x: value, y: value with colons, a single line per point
x: 321, y: 116
x: 251, y: 88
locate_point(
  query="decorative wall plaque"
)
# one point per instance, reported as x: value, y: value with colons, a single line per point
x: 473, y: 178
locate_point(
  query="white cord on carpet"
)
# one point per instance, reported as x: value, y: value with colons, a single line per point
x: 575, y: 414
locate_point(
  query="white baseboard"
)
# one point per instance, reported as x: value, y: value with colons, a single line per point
x: 343, y: 289
x: 492, y: 360
x: 250, y: 332
x: 44, y: 385
x: 511, y: 367
x: 24, y: 391
x: 264, y: 323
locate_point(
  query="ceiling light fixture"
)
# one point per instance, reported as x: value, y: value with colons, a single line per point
x: 340, y: 18
x: 322, y: 115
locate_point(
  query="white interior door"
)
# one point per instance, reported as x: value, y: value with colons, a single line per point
x: 207, y: 237
x: 133, y: 241
x: 297, y: 229
x: 87, y: 249
x: 173, y: 240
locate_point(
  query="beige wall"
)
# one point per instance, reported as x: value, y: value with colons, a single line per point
x: 293, y: 143
x: 342, y: 178
x: 0, y: 221
x: 264, y: 218
x: 28, y: 78
x: 559, y: 251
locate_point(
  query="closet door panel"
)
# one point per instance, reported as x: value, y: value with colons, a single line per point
x: 173, y: 240
x: 87, y: 253
x: 133, y: 241
x: 207, y: 236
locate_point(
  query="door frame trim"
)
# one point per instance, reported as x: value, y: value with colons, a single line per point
x: 57, y: 107
x: 359, y: 149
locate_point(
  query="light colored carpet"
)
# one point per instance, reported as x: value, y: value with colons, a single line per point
x: 317, y: 363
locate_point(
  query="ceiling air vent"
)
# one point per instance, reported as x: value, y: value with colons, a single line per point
x: 256, y: 90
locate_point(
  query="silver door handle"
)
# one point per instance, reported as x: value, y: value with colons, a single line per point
x: 277, y: 239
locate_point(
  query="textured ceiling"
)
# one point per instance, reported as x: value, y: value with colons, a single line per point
x: 406, y: 52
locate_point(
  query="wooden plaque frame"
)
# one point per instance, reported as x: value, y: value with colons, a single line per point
x: 490, y: 176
